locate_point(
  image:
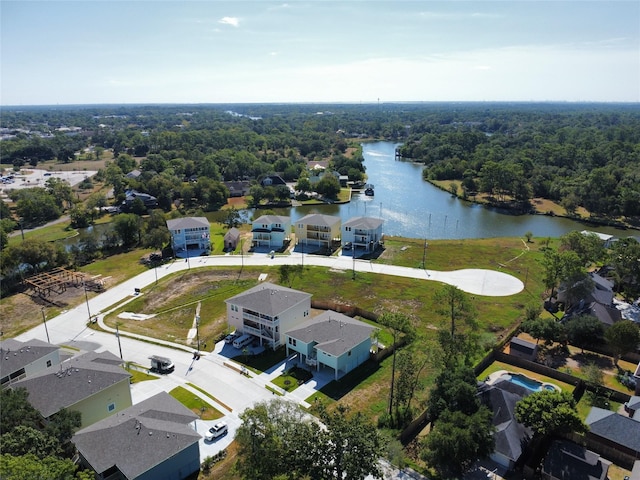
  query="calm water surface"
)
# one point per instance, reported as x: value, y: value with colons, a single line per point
x: 414, y: 208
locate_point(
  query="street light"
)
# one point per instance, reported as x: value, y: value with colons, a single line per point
x: 44, y: 320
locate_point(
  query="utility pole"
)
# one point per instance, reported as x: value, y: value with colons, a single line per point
x: 353, y: 256
x: 86, y: 297
x: 44, y: 320
x: 424, y: 254
x: 118, y: 337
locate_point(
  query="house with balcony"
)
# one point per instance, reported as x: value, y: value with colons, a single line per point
x: 331, y: 340
x: 317, y: 230
x: 362, y: 233
x: 151, y: 440
x: 94, y: 384
x: 190, y: 236
x: 19, y: 360
x: 266, y: 311
x: 271, y: 231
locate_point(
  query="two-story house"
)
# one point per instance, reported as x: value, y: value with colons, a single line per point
x: 271, y: 231
x: 363, y: 233
x: 151, y: 440
x: 94, y: 384
x: 266, y: 311
x: 190, y: 236
x: 331, y: 340
x: 317, y: 230
x: 19, y: 360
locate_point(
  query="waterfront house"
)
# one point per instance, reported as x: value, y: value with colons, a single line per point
x: 271, y: 231
x: 190, y: 236
x: 152, y: 440
x: 149, y: 201
x: 19, y: 360
x: 266, y: 311
x: 331, y: 340
x: 363, y: 233
x: 272, y: 181
x: 94, y: 384
x: 317, y: 230
x: 239, y: 188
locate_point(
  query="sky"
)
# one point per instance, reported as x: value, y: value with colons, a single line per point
x: 354, y: 51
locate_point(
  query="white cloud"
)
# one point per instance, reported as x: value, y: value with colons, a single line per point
x: 233, y: 21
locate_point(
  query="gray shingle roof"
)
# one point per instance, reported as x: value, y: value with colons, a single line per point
x: 567, y: 460
x: 76, y: 379
x: 319, y: 219
x: 614, y: 427
x: 15, y: 355
x: 271, y: 219
x: 187, y: 222
x: 510, y: 436
x: 269, y: 298
x: 138, y: 438
x: 364, y: 223
x: 334, y: 332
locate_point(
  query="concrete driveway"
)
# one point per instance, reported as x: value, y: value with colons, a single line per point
x: 233, y: 392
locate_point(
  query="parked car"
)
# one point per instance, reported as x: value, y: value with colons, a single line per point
x: 231, y: 337
x: 347, y: 246
x: 218, y: 430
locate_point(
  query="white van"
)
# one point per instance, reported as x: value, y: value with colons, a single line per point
x: 242, y: 341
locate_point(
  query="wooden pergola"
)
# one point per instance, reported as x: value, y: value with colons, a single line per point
x: 59, y: 279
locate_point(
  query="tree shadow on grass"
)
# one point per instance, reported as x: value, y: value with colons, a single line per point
x: 584, y: 359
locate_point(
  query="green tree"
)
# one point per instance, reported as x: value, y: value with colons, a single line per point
x: 61, y: 191
x: 454, y: 389
x: 351, y: 446
x: 622, y: 337
x: 288, y: 273
x: 457, y: 440
x: 408, y: 380
x: 588, y: 247
x: 624, y: 257
x: 328, y: 186
x: 398, y: 324
x: 23, y: 440
x: 232, y: 219
x: 128, y: 227
x: 30, y: 467
x: 453, y: 303
x: 35, y: 206
x: 547, y: 329
x: 549, y: 411
x: 584, y: 330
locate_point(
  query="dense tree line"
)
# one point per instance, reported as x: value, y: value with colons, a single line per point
x: 588, y: 158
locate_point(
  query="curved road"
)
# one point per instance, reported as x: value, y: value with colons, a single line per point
x: 229, y: 392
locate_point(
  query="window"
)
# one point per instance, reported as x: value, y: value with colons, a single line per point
x: 292, y: 341
x: 111, y: 407
x: 349, y: 354
x: 48, y: 363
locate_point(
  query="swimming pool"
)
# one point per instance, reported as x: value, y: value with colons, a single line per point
x: 526, y: 382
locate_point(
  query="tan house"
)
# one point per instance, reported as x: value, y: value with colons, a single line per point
x: 94, y: 384
x: 318, y: 230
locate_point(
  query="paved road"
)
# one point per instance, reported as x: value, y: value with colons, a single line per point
x: 232, y: 392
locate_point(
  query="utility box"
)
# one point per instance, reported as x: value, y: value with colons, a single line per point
x: 161, y: 364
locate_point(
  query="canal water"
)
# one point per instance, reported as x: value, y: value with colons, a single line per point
x: 411, y: 207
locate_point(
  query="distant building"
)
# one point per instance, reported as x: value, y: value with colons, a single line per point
x: 271, y: 231
x: 190, y: 236
x: 149, y: 201
x: 363, y: 233
x: 272, y: 181
x: 231, y: 239
x: 238, y: 188
x: 318, y: 230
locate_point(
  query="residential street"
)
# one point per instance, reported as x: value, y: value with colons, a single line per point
x: 234, y: 392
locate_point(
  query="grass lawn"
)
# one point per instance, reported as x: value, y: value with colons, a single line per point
x: 195, y: 403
